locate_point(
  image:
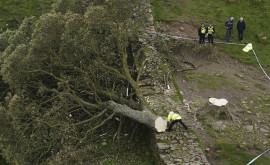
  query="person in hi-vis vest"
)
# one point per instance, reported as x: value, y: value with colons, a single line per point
x: 201, y: 33
x: 174, y: 118
x: 210, y: 30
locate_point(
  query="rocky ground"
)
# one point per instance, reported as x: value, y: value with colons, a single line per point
x: 178, y: 147
x: 248, y: 94
x: 247, y: 123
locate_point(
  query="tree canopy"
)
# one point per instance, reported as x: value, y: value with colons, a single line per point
x: 59, y: 69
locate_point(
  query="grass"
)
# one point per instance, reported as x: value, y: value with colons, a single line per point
x: 211, y: 81
x: 12, y: 12
x: 234, y: 155
x: 199, y: 141
x: 165, y: 141
x: 256, y: 14
x: 167, y: 10
x: 260, y: 86
x: 178, y: 96
x: 264, y: 103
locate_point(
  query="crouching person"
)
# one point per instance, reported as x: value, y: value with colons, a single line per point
x: 174, y: 118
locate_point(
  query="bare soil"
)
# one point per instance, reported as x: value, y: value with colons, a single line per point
x: 248, y: 104
x: 178, y: 28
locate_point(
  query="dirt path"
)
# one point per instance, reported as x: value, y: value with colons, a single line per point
x: 245, y: 87
x: 249, y: 103
x: 178, y: 28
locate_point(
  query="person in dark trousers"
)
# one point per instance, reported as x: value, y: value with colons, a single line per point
x: 229, y: 28
x: 201, y: 33
x: 175, y: 118
x: 210, y: 30
x: 241, y: 26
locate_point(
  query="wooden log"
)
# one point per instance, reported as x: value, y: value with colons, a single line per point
x: 152, y: 121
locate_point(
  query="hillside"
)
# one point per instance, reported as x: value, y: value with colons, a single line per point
x: 256, y: 14
x: 12, y: 12
x: 61, y: 70
x: 228, y: 73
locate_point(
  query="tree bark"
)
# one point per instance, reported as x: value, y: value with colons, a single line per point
x: 152, y: 121
x: 218, y: 108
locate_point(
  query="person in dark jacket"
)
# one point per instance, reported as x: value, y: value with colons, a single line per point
x: 229, y: 28
x: 241, y: 26
x: 201, y: 33
x: 210, y: 30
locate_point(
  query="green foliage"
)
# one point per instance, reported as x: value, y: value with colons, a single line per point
x: 58, y: 70
x: 12, y: 12
x: 234, y: 155
x: 2, y: 161
x: 168, y: 10
x: 130, y: 149
x: 4, y: 39
x: 254, y: 12
x: 20, y: 37
x: 178, y: 51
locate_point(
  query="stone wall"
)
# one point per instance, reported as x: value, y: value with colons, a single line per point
x: 179, y: 146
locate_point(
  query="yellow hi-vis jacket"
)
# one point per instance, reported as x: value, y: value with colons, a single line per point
x: 203, y: 30
x: 210, y: 30
x: 173, y: 116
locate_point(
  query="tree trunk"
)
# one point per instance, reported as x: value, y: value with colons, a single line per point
x: 218, y: 108
x: 152, y: 121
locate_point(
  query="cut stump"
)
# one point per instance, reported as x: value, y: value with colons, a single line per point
x: 218, y: 108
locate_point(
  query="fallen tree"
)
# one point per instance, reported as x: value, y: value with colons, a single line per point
x: 60, y: 69
x: 147, y: 118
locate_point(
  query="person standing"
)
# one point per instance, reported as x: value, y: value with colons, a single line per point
x: 201, y: 33
x: 210, y: 33
x: 175, y: 118
x: 229, y: 28
x: 241, y: 26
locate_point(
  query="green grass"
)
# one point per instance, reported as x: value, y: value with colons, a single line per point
x: 12, y: 12
x: 165, y: 141
x: 234, y: 155
x: 211, y: 81
x: 199, y: 141
x: 167, y: 10
x: 260, y: 86
x: 256, y: 14
x: 178, y: 96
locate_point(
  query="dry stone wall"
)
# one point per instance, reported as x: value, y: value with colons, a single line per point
x: 179, y: 146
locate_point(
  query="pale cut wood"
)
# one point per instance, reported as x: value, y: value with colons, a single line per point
x: 218, y: 102
x: 218, y: 108
x: 152, y: 121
